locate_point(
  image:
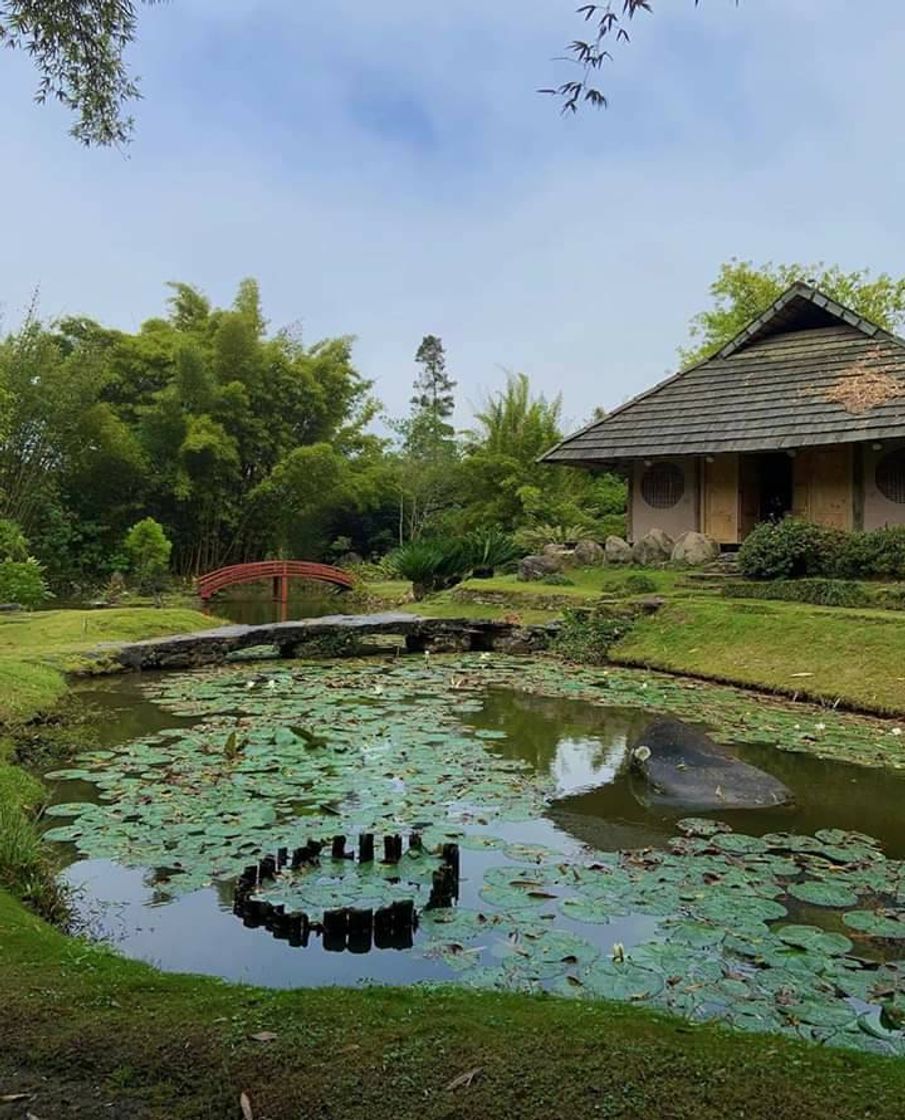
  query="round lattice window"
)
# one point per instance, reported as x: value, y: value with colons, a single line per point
x: 891, y: 476
x: 662, y: 485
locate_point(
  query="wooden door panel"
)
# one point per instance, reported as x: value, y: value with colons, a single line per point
x: 720, y: 504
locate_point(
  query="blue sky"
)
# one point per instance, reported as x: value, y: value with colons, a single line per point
x: 387, y: 170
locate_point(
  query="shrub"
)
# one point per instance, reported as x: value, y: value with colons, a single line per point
x: 532, y: 538
x: 878, y: 553
x: 13, y: 545
x: 639, y: 584
x: 586, y: 636
x: 820, y: 592
x: 491, y: 548
x: 790, y: 549
x: 23, y: 582
x: 148, y: 549
x: 431, y: 565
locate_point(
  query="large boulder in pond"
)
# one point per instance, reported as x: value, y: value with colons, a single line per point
x: 695, y: 549
x: 677, y: 765
x: 655, y: 547
x: 588, y: 554
x: 536, y: 567
x: 617, y: 551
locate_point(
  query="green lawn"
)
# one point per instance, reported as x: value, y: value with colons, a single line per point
x: 827, y: 654
x: 37, y: 647
x: 93, y: 1035
x: 587, y: 583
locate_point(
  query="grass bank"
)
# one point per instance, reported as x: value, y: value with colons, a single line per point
x: 37, y: 648
x: 90, y: 1034
x: 826, y: 654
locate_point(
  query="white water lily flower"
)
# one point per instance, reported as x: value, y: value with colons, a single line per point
x: 484, y: 657
x: 820, y: 727
x: 249, y: 684
x: 618, y: 953
x: 271, y: 684
x: 896, y: 731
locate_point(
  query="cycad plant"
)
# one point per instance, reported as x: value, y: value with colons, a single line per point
x: 491, y: 549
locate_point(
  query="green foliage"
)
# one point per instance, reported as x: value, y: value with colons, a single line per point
x: 491, y: 548
x: 13, y: 545
x: 431, y: 565
x: 77, y: 47
x: 557, y: 579
x: 791, y: 548
x: 22, y: 582
x: 820, y: 592
x: 148, y: 549
x: 743, y: 290
x: 879, y: 553
x: 637, y: 583
x: 586, y: 636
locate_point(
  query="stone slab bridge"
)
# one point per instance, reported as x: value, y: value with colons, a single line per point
x: 436, y: 635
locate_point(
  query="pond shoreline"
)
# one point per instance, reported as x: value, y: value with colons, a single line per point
x: 71, y: 1032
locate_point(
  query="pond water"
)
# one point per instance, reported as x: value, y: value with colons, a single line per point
x: 524, y: 766
x: 254, y: 606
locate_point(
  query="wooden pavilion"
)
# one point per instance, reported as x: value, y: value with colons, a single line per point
x: 801, y: 414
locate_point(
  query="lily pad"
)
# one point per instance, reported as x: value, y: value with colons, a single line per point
x: 820, y: 893
x: 815, y: 939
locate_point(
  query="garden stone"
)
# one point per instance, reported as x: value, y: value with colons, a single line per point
x: 617, y: 551
x: 679, y: 766
x: 536, y: 567
x: 655, y: 547
x: 588, y: 554
x: 695, y: 549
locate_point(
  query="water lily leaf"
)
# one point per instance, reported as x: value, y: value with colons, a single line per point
x: 701, y: 827
x: 818, y: 893
x: 738, y: 844
x: 815, y: 939
x: 623, y: 981
x: 882, y: 924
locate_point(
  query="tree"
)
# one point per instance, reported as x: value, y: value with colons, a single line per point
x: 148, y: 549
x: 77, y: 47
x: 743, y: 290
x: 427, y: 465
x: 610, y: 22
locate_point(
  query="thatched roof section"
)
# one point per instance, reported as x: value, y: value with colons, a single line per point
x: 806, y: 372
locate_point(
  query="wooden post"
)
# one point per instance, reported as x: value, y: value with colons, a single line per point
x: 366, y: 847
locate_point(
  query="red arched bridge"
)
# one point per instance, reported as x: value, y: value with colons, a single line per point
x: 280, y: 571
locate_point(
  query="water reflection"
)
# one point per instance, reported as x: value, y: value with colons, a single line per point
x: 584, y: 748
x: 257, y: 607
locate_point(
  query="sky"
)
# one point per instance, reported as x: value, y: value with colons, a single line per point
x: 388, y: 170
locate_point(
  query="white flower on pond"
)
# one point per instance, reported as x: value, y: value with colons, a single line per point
x: 484, y: 656
x: 896, y: 731
x: 249, y: 684
x: 271, y: 684
x: 378, y: 690
x: 820, y: 727
x: 618, y: 953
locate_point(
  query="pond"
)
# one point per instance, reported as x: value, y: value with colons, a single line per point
x: 254, y: 604
x: 569, y: 879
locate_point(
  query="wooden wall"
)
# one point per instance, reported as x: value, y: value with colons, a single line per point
x: 720, y: 498
x: 824, y: 486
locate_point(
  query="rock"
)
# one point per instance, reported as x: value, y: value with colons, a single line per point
x: 560, y: 552
x: 655, y: 547
x: 617, y: 551
x: 536, y: 567
x: 588, y: 554
x: 678, y: 765
x: 695, y: 549
x: 11, y: 607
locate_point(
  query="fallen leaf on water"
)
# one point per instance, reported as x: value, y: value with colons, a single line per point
x: 11, y: 1098
x: 263, y: 1036
x: 802, y: 674
x: 464, y: 1080
x: 245, y: 1105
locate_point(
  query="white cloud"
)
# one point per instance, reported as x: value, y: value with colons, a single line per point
x: 388, y: 170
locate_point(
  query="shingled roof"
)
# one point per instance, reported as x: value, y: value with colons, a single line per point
x: 808, y: 371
